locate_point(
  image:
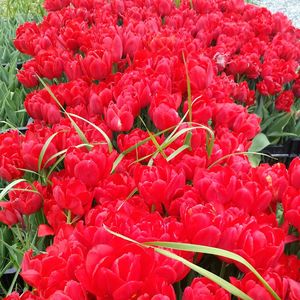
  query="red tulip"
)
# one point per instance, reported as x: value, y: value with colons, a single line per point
x: 203, y: 289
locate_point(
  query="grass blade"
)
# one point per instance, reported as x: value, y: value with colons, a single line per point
x: 211, y: 276
x: 218, y: 252
x: 189, y: 91
x: 177, y: 152
x: 76, y: 127
x: 134, y: 147
x: 238, y: 153
x: 223, y: 283
x: 154, y: 141
x: 108, y: 141
x: 9, y: 187
x: 44, y: 149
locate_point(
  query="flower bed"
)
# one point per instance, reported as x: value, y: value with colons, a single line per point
x: 141, y: 127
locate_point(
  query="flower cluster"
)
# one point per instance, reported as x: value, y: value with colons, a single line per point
x: 163, y: 84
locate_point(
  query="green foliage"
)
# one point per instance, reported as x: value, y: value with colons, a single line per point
x: 8, y: 32
x: 277, y: 126
x: 12, y: 95
x: 15, y: 241
x: 258, y: 144
x: 29, y: 8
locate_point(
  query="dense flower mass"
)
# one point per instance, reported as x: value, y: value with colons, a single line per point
x: 141, y: 125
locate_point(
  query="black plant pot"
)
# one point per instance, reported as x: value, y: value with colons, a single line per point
x: 283, y: 153
x: 7, y: 279
x: 18, y: 65
x: 20, y: 129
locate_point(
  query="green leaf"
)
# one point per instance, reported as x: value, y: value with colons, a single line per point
x: 258, y: 143
x: 259, y: 106
x: 268, y: 121
x: 282, y: 134
x: 279, y: 123
x: 297, y: 128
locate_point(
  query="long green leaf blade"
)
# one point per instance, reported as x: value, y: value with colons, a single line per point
x: 215, y: 251
x: 108, y: 141
x: 223, y: 283
x: 10, y: 186
x: 44, y: 149
x: 213, y: 277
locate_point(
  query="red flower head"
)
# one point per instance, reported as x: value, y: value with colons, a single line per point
x: 236, y: 118
x: 25, y: 296
x: 204, y: 289
x: 199, y: 224
x: 126, y: 141
x: 73, y: 291
x: 201, y: 109
x: 201, y: 72
x: 252, y: 198
x: 11, y: 160
x: 131, y: 43
x: 49, y: 64
x: 285, y: 101
x: 288, y: 266
x: 53, y: 5
x: 274, y: 178
x: 49, y: 272
x: 296, y: 88
x: 291, y: 205
x: 217, y: 186
x: 27, y: 76
x: 119, y: 118
x: 32, y: 146
x: 158, y: 185
x: 73, y: 195
x: 243, y: 94
x: 163, y: 110
x: 9, y: 215
x: 40, y: 105
x: 89, y: 167
x: 96, y: 65
x: 28, y: 200
x: 114, y: 45
x: 72, y: 93
x: 294, y: 173
x: 114, y: 188
x: 72, y: 66
x: 27, y: 38
x: 99, y: 99
x: 260, y: 245
x: 164, y: 7
x: 285, y: 287
x: 268, y: 86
